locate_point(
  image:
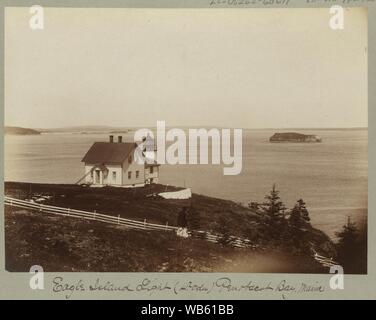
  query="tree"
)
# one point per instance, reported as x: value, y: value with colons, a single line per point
x: 273, y: 208
x: 298, y: 220
x: 348, y: 245
x: 273, y: 211
x: 299, y: 216
x: 253, y: 206
x: 348, y: 236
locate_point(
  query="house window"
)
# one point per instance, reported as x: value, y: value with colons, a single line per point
x: 151, y: 169
x: 137, y: 174
x: 97, y: 176
x: 130, y: 159
x: 129, y: 174
x: 114, y: 175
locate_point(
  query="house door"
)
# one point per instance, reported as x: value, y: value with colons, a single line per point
x: 97, y: 176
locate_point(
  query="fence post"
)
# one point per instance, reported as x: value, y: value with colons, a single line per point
x: 40, y: 207
x: 94, y: 213
x: 166, y: 225
x: 118, y: 221
x: 68, y: 211
x: 145, y: 223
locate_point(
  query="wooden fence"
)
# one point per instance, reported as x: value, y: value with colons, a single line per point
x: 67, y: 212
x: 326, y: 262
x: 129, y: 223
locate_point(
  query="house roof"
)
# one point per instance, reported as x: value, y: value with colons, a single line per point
x: 107, y: 152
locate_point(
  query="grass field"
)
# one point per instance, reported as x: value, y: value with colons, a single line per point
x: 67, y: 244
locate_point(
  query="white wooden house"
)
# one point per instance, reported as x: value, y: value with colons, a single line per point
x: 113, y: 163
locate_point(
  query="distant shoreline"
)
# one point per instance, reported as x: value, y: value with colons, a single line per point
x: 115, y: 130
x: 20, y: 131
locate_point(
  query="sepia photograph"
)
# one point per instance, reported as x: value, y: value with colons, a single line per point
x: 186, y: 140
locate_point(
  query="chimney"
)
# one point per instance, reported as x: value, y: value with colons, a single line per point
x: 111, y: 139
x: 120, y: 139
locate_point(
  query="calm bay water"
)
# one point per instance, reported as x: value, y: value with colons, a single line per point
x: 331, y: 176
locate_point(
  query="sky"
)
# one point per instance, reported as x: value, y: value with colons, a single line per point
x: 239, y: 68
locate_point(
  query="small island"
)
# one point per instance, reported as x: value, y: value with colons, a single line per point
x: 294, y: 137
x: 20, y: 131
